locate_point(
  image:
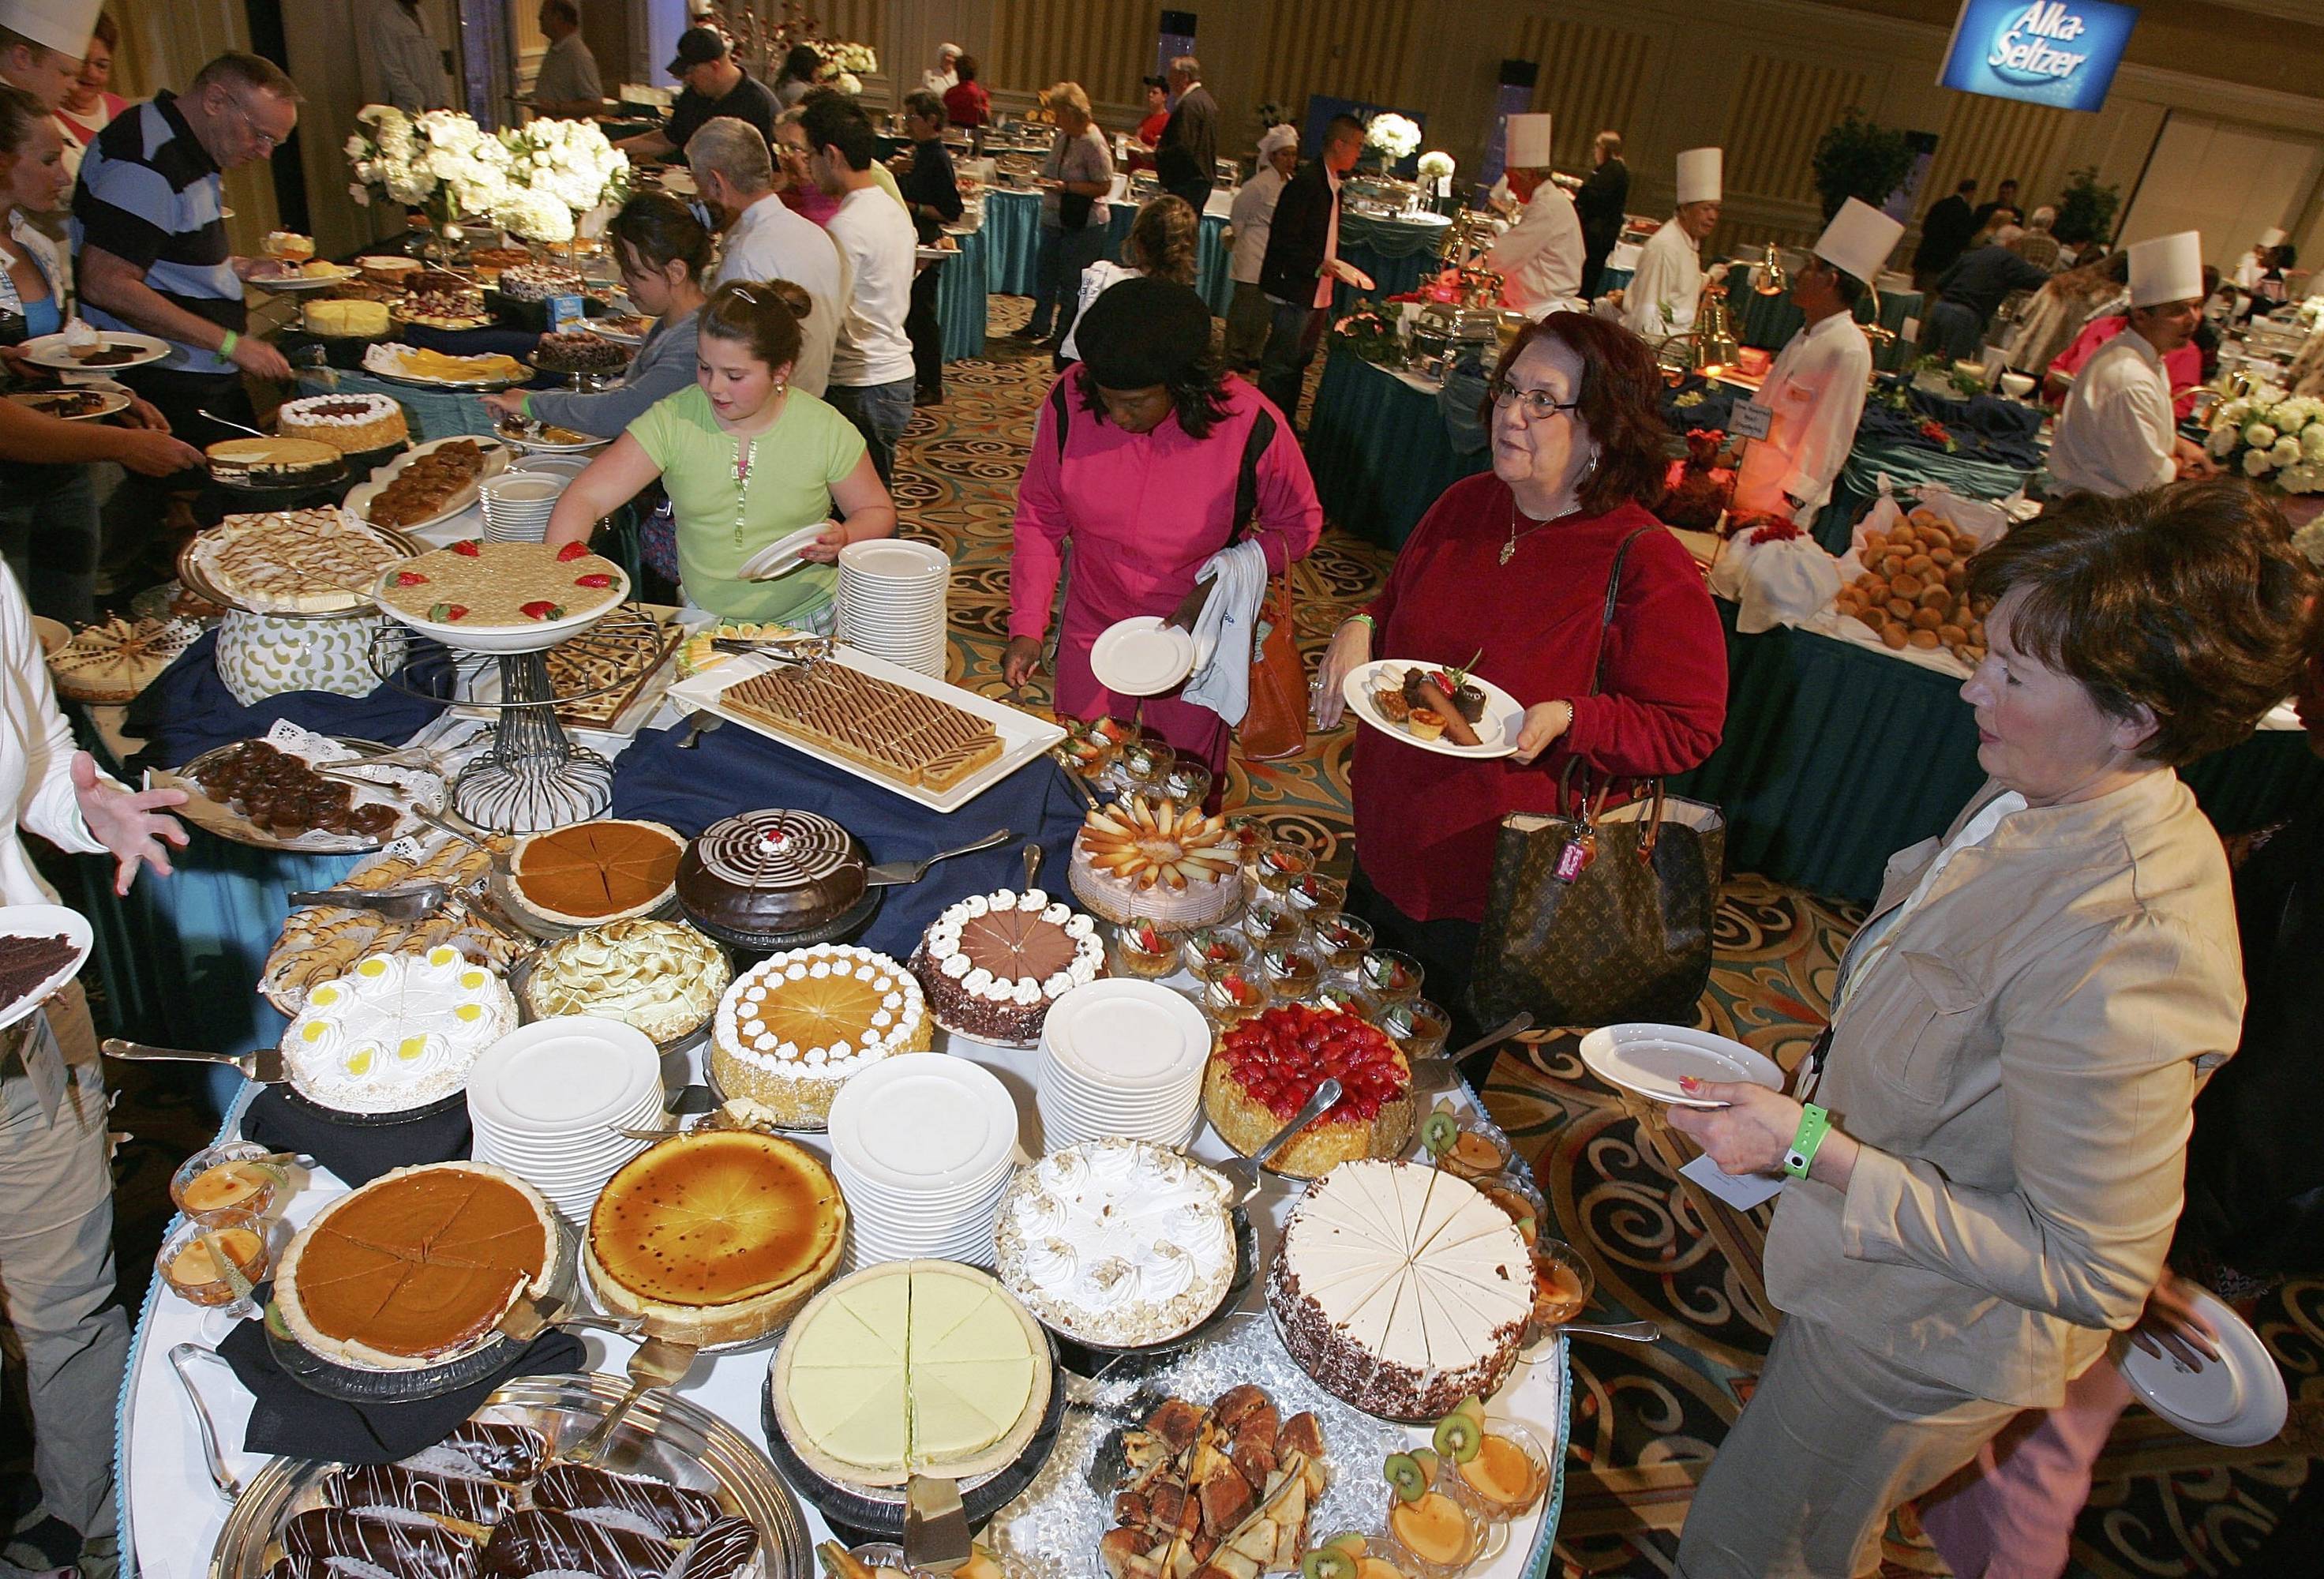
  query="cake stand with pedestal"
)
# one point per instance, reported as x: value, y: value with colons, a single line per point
x: 531, y: 776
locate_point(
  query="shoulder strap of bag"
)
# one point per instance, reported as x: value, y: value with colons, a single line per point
x: 1057, y: 408
x: 1597, y: 684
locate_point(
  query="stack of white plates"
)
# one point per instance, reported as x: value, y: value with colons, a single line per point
x: 518, y: 504
x: 544, y: 1101
x: 892, y: 601
x: 922, y: 1145
x: 1122, y: 1057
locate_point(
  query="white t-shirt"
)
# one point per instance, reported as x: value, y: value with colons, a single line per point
x: 768, y: 241
x: 1099, y: 277
x: 2117, y: 433
x: 36, y: 752
x: 878, y: 242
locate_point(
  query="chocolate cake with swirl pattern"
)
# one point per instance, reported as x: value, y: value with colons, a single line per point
x: 770, y: 874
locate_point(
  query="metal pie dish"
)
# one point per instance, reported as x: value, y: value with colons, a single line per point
x: 667, y: 1437
x: 195, y: 579
x: 845, y: 925
x: 521, y: 972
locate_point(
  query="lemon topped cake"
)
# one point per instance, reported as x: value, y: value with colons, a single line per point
x: 397, y: 1031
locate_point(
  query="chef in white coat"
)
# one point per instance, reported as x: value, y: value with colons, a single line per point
x: 2254, y: 263
x: 1670, y: 265
x: 2117, y: 433
x: 1814, y: 393
x: 1538, y: 258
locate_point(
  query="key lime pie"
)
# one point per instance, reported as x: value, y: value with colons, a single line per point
x: 397, y: 1031
x: 1115, y: 1241
x: 794, y: 1027
x: 911, y: 1367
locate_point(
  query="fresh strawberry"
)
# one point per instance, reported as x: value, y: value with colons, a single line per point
x: 410, y: 578
x: 446, y: 612
x: 471, y: 546
x: 571, y: 551
x: 598, y: 579
x: 1149, y: 939
x: 541, y: 608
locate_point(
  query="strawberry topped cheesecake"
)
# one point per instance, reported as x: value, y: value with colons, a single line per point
x: 1264, y: 1069
x: 498, y: 585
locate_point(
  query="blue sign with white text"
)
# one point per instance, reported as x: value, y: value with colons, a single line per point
x: 2059, y: 52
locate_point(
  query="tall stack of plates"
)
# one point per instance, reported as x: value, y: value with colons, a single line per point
x: 544, y: 1102
x: 892, y: 601
x: 518, y: 505
x: 1122, y: 1057
x: 922, y: 1145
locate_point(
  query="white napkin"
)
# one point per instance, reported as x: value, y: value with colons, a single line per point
x: 1741, y: 1191
x: 1226, y: 632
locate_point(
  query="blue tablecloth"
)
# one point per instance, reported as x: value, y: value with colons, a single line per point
x: 960, y: 297
x: 1770, y: 322
x: 188, y: 711
x: 1397, y: 253
x: 430, y: 414
x: 1378, y: 449
x: 1907, y: 467
x: 733, y: 769
x: 1012, y: 257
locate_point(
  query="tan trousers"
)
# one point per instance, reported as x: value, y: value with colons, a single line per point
x: 1834, y: 1439
x: 56, y: 1271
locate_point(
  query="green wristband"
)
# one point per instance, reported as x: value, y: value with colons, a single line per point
x: 227, y: 346
x: 1370, y: 624
x: 1816, y: 1124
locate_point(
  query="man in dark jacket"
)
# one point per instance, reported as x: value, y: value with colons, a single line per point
x: 2004, y: 201
x: 1601, y: 202
x: 1967, y: 295
x: 1186, y: 162
x: 932, y: 197
x: 1945, y: 230
x: 1303, y: 260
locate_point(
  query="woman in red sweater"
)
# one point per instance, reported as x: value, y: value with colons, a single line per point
x: 1511, y: 569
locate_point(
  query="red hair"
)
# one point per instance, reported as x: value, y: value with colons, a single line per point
x: 1620, y: 402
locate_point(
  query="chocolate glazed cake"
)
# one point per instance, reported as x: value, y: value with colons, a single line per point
x: 766, y: 875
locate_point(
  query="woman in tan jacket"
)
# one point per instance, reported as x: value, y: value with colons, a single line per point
x: 1984, y: 1183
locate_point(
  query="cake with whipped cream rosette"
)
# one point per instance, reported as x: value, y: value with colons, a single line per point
x: 992, y: 963
x: 793, y: 1027
x: 396, y: 1032
x: 353, y: 424
x: 1118, y: 1242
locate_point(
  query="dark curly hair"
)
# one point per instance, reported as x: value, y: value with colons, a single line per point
x: 1620, y: 405
x: 2187, y: 600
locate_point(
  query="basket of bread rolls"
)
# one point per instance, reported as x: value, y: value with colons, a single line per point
x: 1914, y: 591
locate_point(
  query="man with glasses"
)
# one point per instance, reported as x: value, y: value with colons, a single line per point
x: 149, y: 233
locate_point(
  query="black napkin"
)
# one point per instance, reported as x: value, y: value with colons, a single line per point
x: 187, y: 710
x: 280, y: 1120
x: 286, y: 1418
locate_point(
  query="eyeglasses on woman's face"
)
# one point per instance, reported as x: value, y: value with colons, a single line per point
x: 1536, y: 404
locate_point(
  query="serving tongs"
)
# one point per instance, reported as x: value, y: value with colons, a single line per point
x: 228, y: 1484
x: 802, y: 651
x: 658, y: 1364
x: 402, y: 800
x: 1442, y: 1072
x: 407, y: 902
x: 527, y: 1319
x: 264, y: 1067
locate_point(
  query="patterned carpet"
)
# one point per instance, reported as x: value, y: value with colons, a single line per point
x: 1645, y: 1418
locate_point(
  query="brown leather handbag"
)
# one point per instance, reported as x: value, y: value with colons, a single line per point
x: 1601, y: 915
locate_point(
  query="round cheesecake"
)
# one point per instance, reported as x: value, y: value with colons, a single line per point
x: 353, y: 424
x: 794, y: 1027
x: 396, y: 1032
x: 992, y: 963
x: 592, y: 873
x: 770, y: 874
x: 1263, y: 1070
x: 1401, y: 1288
x: 345, y: 320
x: 271, y: 462
x: 1169, y: 864
x: 416, y: 1266
x: 716, y: 1237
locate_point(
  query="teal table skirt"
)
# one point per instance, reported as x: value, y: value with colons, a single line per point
x: 1012, y: 241
x: 1379, y: 450
x: 1907, y: 467
x: 1770, y: 322
x: 1397, y: 253
x: 1835, y: 757
x: 960, y: 297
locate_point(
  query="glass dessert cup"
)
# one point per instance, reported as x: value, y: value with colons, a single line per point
x: 1391, y: 976
x: 1344, y: 996
x: 1562, y: 1285
x: 1506, y: 1479
x: 1209, y: 952
x: 1140, y: 949
x: 1437, y: 1536
x: 1342, y: 941
x: 221, y: 1177
x: 1234, y: 996
x: 1269, y: 924
x: 1316, y: 897
x: 1281, y: 864
x: 1518, y: 1198
x: 1418, y: 1027
x: 1291, y: 972
x: 1144, y: 766
x: 1473, y: 1154
x: 188, y: 1266
x: 1188, y: 782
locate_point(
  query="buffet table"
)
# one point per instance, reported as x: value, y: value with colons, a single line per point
x: 1397, y: 253
x: 1012, y: 223
x: 1377, y: 445
x: 1770, y: 322
x: 1907, y: 467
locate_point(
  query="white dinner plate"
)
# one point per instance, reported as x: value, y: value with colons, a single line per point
x: 109, y: 401
x: 49, y: 351
x: 563, y: 1076
x: 45, y: 921
x: 341, y: 275
x: 779, y: 558
x: 2237, y: 1400
x: 1497, y: 730
x: 895, y: 559
x: 923, y: 1123
x: 1650, y: 1058
x: 1120, y: 1034
x: 1142, y: 657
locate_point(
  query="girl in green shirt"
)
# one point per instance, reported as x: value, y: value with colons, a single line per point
x: 747, y: 461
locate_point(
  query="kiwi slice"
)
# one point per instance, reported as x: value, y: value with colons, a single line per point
x: 1458, y: 1438
x: 1471, y: 1406
x: 1440, y: 1133
x: 1349, y: 1541
x: 1327, y: 1563
x: 1404, y: 1476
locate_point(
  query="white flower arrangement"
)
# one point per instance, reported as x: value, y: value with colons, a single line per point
x: 568, y: 161
x: 534, y: 215
x: 1393, y: 135
x: 2274, y: 436
x: 2309, y: 539
x: 848, y: 83
x: 1436, y: 164
x: 441, y: 160
x: 855, y: 60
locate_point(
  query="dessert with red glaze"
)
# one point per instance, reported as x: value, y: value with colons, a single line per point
x: 1265, y: 1068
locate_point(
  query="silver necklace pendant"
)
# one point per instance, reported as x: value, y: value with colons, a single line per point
x: 1507, y: 549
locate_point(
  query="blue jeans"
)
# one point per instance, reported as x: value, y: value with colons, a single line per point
x: 880, y: 413
x: 1057, y: 285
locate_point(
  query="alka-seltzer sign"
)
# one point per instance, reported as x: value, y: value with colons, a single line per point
x: 2059, y: 52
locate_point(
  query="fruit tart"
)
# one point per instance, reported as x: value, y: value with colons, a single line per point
x: 1264, y: 1069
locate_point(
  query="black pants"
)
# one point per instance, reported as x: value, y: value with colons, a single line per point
x: 1291, y: 341
x: 1446, y: 950
x: 927, y: 334
x: 135, y: 515
x: 1593, y: 265
x: 1197, y: 196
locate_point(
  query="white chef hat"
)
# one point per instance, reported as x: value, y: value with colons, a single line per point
x: 949, y: 51
x: 1277, y: 139
x: 2169, y: 268
x: 2271, y: 237
x: 1528, y: 142
x: 1859, y: 240
x: 1699, y: 173
x: 63, y: 25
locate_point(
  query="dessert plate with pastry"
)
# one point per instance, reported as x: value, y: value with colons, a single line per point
x: 82, y: 348
x: 315, y: 275
x: 74, y: 405
x: 1450, y: 711
x: 546, y: 437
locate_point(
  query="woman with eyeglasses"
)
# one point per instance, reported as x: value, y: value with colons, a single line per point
x: 747, y: 461
x: 1505, y: 577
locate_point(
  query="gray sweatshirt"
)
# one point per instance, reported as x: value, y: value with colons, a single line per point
x: 663, y: 365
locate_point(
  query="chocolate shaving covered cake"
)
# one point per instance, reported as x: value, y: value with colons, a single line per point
x: 768, y: 874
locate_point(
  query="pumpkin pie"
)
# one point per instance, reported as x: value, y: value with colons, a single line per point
x: 597, y: 871
x: 416, y: 1266
x: 716, y: 1237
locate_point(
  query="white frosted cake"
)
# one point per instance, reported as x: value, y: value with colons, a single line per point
x: 1401, y: 1288
x: 397, y: 1031
x: 794, y: 1026
x: 1166, y: 864
x: 1115, y: 1241
x: 992, y: 963
x: 353, y: 424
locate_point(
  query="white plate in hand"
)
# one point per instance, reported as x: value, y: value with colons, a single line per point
x: 1141, y: 657
x: 1649, y: 1059
x: 2237, y: 1401
x: 50, y: 351
x: 45, y: 921
x: 1497, y: 731
x: 779, y: 559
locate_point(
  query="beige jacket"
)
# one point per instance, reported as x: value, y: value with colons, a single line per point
x: 2020, y: 1066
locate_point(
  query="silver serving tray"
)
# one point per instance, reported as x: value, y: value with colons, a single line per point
x: 668, y: 1438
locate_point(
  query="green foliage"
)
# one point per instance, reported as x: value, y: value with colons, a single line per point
x: 1856, y: 158
x: 2087, y: 211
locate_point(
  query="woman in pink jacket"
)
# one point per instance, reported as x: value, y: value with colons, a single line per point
x: 1138, y: 457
